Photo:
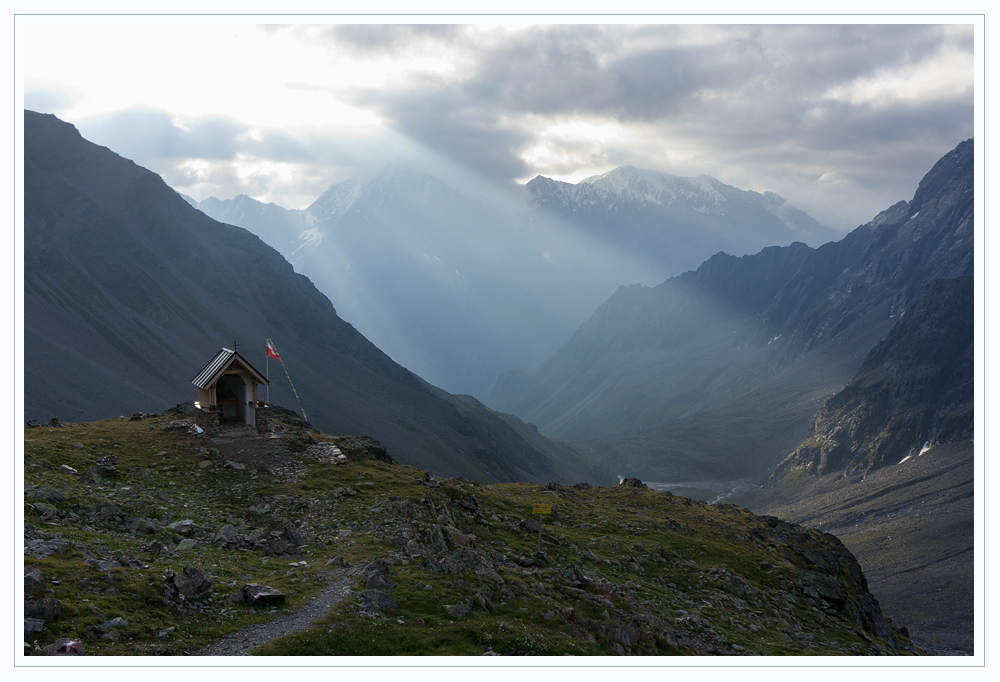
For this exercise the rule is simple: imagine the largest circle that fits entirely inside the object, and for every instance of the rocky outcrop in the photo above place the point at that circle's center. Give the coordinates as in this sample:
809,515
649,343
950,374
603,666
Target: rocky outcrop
914,391
188,585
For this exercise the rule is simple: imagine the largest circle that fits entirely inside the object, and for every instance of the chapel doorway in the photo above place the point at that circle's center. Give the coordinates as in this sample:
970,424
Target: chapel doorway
230,396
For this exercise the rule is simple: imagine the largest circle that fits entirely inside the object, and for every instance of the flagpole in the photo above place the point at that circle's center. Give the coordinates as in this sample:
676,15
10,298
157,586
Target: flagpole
267,368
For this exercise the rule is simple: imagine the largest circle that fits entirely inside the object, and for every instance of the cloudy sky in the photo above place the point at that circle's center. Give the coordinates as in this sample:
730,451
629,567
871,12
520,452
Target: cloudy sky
841,120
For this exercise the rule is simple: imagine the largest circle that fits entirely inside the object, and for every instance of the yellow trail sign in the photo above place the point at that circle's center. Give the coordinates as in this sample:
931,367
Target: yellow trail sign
541,509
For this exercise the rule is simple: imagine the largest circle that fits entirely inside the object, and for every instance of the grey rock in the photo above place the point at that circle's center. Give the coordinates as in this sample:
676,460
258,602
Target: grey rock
226,535
47,609
234,465
378,581
457,610
129,561
49,494
292,533
261,595
187,543
155,548
104,565
34,583
188,585
32,626
66,469
185,527
373,602
141,526
113,623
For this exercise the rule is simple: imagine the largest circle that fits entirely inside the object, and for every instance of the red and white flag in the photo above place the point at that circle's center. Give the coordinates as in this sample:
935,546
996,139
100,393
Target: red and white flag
271,352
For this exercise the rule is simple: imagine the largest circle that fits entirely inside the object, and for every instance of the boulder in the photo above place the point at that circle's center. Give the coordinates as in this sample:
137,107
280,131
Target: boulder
92,476
292,533
44,609
49,494
457,610
32,626
104,565
155,548
184,527
113,623
141,526
34,583
278,547
188,585
373,602
261,595
226,535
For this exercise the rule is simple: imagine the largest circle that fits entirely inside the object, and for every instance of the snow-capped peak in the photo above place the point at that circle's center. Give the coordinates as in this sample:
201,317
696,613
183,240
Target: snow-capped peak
335,201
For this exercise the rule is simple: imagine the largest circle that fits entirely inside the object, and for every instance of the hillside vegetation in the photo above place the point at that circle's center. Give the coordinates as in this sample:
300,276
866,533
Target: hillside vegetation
148,552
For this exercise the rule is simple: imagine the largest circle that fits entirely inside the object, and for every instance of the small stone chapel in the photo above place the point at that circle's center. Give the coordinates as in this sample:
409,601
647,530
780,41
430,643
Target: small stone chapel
227,386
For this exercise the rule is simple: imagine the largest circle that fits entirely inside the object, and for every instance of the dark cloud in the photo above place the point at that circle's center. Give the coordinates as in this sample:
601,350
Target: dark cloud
388,38
758,89
750,101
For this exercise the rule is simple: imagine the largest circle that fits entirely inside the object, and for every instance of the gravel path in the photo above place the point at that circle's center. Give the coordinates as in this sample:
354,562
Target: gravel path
240,643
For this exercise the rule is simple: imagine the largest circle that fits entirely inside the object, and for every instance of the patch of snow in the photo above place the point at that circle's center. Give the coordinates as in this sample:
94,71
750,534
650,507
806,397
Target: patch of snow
903,460
927,446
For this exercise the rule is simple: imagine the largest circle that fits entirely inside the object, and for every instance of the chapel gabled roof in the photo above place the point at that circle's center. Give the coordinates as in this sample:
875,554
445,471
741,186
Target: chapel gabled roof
222,360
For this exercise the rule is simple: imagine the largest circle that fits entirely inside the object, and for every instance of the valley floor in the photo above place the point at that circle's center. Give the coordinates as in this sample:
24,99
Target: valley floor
911,528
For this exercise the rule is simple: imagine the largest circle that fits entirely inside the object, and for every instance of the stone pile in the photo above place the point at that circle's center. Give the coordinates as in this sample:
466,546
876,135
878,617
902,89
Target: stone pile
327,453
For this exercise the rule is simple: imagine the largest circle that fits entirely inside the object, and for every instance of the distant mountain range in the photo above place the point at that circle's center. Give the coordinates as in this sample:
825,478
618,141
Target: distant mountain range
718,371
673,223
129,291
460,289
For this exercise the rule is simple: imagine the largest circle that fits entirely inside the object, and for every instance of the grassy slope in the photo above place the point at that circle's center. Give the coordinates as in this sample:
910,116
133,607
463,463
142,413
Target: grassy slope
626,570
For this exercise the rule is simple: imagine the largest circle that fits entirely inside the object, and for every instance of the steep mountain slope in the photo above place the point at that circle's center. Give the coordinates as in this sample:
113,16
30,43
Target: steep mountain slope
717,372
129,291
459,289
888,467
913,392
